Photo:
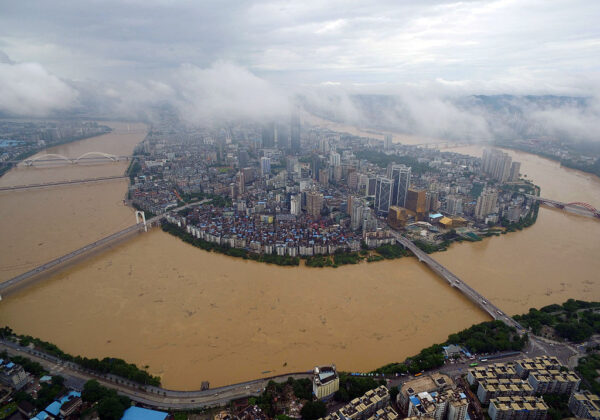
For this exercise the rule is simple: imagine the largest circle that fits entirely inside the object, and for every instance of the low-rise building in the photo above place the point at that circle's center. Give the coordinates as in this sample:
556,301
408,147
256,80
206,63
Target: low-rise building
517,408
386,413
585,405
13,375
372,404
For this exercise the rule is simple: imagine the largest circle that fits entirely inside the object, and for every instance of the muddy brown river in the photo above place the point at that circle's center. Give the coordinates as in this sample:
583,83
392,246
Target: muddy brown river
192,316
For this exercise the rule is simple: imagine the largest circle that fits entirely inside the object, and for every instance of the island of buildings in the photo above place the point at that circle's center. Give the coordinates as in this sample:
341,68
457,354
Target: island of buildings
282,190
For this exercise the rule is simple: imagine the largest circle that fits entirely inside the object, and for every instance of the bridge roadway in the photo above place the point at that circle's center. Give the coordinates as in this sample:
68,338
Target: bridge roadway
456,282
87,249
581,209
53,184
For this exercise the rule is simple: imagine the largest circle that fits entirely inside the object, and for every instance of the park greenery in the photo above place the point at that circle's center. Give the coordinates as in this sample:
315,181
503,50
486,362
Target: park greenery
487,337
106,402
108,365
589,368
574,320
133,169
527,221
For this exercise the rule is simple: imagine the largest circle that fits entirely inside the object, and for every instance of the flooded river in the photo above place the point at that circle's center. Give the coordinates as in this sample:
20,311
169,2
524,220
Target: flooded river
193,316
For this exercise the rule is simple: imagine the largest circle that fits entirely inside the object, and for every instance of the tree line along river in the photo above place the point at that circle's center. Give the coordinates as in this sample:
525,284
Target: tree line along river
191,315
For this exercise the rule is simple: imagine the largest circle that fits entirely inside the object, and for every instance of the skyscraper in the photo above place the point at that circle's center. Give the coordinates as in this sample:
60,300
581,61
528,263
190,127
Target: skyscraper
314,203
387,141
383,194
296,204
295,134
498,165
454,205
335,159
515,168
268,135
265,166
400,174
486,203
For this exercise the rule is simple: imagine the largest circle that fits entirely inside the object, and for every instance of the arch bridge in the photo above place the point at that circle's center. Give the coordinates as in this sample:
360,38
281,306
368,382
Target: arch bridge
88,156
578,207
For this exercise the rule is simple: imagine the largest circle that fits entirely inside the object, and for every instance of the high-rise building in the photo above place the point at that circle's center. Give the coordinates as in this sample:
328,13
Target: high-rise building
324,176
372,186
314,203
315,166
486,203
416,201
515,168
352,180
497,165
383,194
335,159
400,175
295,134
268,135
296,204
265,166
454,205
387,141
243,158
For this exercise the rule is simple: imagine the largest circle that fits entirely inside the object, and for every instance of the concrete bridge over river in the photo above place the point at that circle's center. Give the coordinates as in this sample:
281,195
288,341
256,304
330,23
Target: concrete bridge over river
87,250
454,281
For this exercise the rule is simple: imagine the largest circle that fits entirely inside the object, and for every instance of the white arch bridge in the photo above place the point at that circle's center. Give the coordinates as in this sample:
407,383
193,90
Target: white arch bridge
86,157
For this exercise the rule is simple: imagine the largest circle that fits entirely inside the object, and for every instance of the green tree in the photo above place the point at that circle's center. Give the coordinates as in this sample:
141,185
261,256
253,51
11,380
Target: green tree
313,410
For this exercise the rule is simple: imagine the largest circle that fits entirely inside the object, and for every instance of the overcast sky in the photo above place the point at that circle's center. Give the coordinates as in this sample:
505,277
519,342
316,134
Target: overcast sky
503,46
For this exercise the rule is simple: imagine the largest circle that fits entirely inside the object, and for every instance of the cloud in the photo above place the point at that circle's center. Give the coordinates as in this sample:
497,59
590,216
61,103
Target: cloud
28,89
215,94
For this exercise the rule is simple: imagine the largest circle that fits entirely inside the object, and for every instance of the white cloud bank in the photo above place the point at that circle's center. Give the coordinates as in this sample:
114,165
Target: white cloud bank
27,89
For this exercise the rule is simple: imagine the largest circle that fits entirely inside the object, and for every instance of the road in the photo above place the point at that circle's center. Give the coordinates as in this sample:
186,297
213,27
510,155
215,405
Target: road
76,377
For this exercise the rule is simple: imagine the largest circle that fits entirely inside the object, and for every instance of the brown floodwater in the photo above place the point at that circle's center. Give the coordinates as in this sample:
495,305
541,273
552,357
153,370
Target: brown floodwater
39,225
193,316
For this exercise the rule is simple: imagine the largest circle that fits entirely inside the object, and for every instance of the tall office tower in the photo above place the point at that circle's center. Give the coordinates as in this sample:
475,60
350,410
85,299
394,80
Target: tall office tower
383,194
314,203
486,203
454,205
515,169
295,134
337,173
357,214
387,141
363,184
243,158
400,174
352,180
372,186
324,146
324,176
268,135
296,204
416,201
265,166
290,164
335,159
315,166
239,179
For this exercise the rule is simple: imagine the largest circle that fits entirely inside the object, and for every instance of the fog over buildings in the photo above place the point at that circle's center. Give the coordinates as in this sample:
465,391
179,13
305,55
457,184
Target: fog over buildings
214,61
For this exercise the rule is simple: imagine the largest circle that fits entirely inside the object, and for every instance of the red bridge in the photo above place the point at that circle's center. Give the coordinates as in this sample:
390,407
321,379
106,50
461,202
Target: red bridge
577,207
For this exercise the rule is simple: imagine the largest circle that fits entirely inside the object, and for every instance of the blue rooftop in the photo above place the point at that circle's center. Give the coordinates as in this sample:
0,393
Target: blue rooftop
138,413
41,416
10,365
53,408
